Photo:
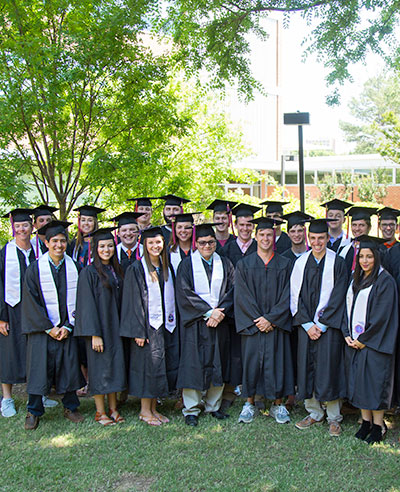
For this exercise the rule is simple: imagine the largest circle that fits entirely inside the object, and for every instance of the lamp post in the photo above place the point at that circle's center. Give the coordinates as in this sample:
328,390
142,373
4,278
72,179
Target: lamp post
299,119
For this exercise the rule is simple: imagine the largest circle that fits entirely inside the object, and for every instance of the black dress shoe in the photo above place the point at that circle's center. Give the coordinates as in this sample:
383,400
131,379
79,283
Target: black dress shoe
220,415
377,434
31,421
364,430
192,420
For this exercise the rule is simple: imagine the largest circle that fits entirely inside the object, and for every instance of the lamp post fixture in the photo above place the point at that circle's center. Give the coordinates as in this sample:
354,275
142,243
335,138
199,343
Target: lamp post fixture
299,119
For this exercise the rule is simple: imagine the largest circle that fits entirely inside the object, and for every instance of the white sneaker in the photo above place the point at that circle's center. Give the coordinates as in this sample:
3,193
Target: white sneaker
8,407
248,413
279,413
47,403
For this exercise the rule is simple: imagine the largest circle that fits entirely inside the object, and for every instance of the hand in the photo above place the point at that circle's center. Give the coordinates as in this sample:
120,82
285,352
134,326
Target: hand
54,332
217,315
349,341
62,334
140,341
263,324
358,345
4,328
314,332
97,344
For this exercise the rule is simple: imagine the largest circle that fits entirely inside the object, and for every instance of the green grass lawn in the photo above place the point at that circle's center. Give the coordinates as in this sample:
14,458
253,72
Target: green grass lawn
223,456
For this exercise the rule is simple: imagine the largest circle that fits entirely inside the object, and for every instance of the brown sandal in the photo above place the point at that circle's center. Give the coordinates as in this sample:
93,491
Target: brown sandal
116,416
150,420
103,419
161,418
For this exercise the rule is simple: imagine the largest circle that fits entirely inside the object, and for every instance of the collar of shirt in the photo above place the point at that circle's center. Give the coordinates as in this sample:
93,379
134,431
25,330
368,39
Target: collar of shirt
334,239
209,262
26,252
57,267
243,246
125,249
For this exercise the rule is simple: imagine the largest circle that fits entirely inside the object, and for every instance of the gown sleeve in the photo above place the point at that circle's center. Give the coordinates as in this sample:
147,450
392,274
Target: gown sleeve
134,316
87,322
226,301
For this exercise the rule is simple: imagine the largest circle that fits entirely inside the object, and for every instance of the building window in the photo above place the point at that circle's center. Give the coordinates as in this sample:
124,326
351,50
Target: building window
291,177
276,175
322,175
309,177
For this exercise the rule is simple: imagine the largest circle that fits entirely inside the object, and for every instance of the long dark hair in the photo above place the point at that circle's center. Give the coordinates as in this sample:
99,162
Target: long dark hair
101,269
164,262
360,280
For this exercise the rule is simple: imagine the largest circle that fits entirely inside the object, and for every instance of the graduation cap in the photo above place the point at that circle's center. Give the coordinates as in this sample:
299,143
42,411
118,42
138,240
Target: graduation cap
186,217
89,210
388,213
102,234
174,200
274,206
206,229
19,215
221,206
143,201
151,232
361,213
296,218
266,223
245,210
370,242
126,218
43,210
336,204
54,228
319,225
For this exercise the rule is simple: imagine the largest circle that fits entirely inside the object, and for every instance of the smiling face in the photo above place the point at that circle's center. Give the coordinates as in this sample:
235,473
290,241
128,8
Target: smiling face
87,224
265,240
360,228
206,246
388,228
170,210
128,233
223,219
105,250
183,231
154,245
367,260
56,246
318,242
296,234
23,230
337,223
244,228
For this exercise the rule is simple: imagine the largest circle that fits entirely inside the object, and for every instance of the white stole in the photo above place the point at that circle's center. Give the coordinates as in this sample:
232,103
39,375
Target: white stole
49,289
119,249
209,294
35,243
296,282
155,301
13,274
356,323
175,258
343,252
344,241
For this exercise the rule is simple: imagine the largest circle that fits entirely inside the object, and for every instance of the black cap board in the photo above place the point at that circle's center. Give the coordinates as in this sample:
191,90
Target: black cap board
102,234
126,218
388,213
266,223
245,210
370,242
174,200
151,232
361,213
273,206
19,215
143,201
54,228
319,226
206,229
89,210
187,217
296,218
43,210
221,205
336,204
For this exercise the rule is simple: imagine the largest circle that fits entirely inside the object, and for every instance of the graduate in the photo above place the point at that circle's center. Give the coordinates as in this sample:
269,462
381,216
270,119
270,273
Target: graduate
181,244
48,318
173,206
360,225
387,223
148,319
42,215
15,257
335,210
370,329
297,234
274,210
204,292
81,247
318,286
244,243
128,232
263,320
98,310
143,206
222,215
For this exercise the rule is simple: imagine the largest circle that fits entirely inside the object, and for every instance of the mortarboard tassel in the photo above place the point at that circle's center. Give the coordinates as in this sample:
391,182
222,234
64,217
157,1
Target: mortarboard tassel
136,206
12,225
115,235
173,233
138,248
348,227
353,265
228,208
274,238
37,245
194,238
306,239
89,252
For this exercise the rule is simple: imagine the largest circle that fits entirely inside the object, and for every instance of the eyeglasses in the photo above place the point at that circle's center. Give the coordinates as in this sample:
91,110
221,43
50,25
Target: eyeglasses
206,243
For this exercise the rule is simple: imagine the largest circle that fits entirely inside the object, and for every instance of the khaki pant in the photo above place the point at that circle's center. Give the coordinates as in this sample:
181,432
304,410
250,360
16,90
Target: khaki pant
314,408
192,398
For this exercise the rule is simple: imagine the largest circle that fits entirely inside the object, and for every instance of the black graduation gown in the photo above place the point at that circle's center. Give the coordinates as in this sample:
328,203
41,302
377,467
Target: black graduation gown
320,363
97,314
70,251
153,368
290,256
370,371
204,350
13,346
125,261
220,248
49,362
267,358
283,243
166,232
232,251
